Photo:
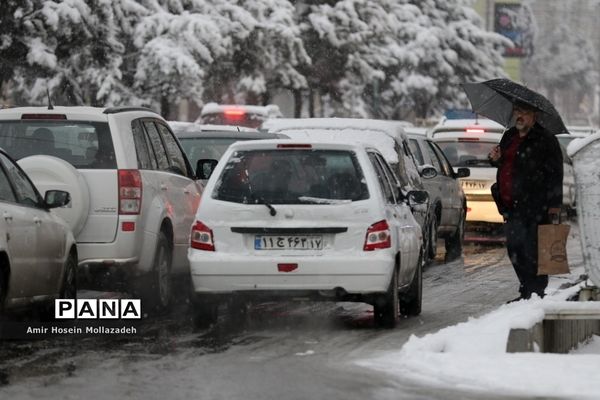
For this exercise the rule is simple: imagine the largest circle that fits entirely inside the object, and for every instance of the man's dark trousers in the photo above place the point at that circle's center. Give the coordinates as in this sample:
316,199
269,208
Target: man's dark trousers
521,243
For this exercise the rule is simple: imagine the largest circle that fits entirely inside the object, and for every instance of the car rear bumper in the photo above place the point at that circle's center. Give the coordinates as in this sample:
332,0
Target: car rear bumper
228,273
483,211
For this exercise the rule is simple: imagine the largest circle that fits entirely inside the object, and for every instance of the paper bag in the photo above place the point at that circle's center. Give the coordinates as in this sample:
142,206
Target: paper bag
552,249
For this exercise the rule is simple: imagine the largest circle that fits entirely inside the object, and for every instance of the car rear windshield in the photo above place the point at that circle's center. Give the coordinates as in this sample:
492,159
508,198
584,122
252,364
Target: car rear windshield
84,144
205,148
467,153
291,177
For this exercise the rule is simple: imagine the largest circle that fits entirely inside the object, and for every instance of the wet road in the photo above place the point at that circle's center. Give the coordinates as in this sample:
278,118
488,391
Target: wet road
278,351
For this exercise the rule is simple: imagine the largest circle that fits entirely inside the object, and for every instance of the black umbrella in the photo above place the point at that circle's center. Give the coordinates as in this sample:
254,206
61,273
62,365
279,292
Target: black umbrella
495,99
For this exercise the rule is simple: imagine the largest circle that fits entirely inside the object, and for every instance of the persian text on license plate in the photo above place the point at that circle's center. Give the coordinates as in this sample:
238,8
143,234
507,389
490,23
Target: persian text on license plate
288,242
473,184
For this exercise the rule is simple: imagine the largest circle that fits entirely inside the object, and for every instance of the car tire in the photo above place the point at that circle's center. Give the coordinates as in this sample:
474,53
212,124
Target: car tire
386,310
49,172
68,289
454,242
204,311
411,301
155,288
433,233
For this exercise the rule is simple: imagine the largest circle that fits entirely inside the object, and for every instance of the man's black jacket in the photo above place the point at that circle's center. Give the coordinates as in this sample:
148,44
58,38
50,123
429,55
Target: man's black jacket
537,175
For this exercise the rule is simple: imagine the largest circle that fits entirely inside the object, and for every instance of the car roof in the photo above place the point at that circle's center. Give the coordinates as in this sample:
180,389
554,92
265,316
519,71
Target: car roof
375,133
459,125
267,111
290,143
188,130
72,112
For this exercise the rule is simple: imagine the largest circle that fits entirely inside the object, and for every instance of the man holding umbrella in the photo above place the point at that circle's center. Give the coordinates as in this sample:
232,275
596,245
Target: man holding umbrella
528,188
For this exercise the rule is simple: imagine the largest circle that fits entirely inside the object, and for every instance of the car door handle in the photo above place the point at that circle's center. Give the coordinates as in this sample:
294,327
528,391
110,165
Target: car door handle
186,191
163,187
8,217
37,221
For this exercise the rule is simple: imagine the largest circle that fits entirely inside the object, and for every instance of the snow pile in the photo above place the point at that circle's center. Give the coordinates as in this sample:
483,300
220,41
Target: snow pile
472,356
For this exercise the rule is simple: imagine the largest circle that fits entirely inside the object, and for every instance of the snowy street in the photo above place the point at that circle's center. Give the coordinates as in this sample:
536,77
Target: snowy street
291,351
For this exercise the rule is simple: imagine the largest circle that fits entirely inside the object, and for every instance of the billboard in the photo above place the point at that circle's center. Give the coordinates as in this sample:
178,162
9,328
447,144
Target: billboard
511,21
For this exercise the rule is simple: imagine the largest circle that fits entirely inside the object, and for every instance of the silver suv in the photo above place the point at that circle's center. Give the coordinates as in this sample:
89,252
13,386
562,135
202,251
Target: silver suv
134,193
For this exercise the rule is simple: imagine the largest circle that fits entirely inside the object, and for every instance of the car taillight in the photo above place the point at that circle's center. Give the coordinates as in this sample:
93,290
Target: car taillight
202,237
294,146
43,116
475,130
130,191
378,236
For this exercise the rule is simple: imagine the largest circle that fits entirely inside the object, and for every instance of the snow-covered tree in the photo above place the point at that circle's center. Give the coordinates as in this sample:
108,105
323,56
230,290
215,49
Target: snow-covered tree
397,58
72,51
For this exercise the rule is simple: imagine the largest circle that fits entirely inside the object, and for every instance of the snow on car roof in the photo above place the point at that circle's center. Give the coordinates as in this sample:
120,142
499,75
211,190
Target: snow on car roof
374,133
450,125
340,130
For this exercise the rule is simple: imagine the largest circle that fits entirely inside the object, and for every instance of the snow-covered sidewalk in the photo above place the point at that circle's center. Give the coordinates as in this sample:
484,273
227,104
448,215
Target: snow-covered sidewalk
472,357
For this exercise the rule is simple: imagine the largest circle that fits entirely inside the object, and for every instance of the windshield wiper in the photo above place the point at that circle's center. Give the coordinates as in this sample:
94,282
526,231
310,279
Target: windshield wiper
261,200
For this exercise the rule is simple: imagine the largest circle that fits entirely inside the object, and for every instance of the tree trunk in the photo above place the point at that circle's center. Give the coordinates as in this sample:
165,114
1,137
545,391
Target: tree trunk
311,103
165,107
297,103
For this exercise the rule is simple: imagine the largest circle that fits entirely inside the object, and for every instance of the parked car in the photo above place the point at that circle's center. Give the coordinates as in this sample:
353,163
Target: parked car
210,141
133,190
323,220
445,192
388,137
38,254
238,114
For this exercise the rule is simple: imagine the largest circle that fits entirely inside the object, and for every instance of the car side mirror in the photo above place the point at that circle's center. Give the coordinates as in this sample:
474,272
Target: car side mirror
56,198
463,172
205,168
427,171
416,197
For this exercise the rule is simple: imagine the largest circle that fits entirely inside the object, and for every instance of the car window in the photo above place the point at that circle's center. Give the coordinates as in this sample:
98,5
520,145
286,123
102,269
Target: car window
446,168
434,158
157,145
26,194
145,161
198,148
391,177
176,157
472,153
416,150
383,180
84,144
291,177
6,190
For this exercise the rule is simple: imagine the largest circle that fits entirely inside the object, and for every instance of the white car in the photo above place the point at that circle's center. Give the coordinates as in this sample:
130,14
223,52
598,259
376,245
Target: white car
134,193
466,143
287,219
386,136
38,254
237,114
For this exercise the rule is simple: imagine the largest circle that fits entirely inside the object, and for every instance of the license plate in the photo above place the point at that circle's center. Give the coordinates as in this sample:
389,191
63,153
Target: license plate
473,184
288,242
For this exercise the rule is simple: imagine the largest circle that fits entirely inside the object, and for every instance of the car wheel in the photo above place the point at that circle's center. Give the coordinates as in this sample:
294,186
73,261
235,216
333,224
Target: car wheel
69,284
433,233
204,311
411,301
386,309
454,242
154,289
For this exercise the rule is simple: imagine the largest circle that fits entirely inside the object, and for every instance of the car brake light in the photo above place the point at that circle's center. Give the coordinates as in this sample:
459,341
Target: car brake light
294,146
378,236
130,191
202,237
43,116
475,130
234,112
